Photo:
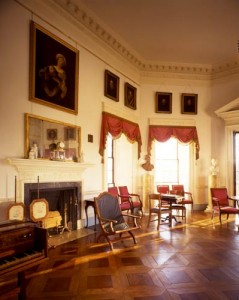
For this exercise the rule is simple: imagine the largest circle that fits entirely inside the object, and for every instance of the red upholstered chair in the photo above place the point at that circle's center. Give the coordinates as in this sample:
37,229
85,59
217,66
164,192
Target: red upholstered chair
178,189
220,203
163,189
125,204
135,200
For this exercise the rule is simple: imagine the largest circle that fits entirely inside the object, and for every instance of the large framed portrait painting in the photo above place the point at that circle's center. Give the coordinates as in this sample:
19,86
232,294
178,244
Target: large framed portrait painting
54,69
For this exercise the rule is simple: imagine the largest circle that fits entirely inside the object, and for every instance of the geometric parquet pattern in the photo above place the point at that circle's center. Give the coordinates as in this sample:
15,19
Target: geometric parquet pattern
198,260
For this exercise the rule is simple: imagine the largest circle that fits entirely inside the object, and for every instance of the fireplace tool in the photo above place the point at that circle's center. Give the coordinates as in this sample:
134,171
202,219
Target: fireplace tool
65,220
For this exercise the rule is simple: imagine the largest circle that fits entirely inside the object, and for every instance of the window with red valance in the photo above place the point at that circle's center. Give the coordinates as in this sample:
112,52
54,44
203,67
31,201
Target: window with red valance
164,133
116,126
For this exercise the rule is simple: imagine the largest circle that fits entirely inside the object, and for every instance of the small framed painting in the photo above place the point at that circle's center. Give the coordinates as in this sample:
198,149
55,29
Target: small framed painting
189,104
111,86
130,96
163,103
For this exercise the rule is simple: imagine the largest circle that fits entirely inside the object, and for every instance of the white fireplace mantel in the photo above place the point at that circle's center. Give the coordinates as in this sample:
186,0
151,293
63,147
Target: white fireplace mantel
32,170
29,170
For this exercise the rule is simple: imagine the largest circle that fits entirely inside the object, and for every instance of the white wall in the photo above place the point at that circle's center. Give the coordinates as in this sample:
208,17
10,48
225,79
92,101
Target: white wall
94,59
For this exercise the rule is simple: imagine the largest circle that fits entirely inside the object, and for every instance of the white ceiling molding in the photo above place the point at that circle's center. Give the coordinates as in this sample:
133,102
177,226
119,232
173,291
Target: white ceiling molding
83,17
229,112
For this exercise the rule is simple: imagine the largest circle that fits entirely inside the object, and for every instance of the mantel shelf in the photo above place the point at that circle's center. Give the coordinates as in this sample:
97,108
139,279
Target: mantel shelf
21,162
29,169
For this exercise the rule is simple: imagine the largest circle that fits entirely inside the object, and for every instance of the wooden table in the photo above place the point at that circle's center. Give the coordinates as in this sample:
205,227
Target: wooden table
89,203
171,199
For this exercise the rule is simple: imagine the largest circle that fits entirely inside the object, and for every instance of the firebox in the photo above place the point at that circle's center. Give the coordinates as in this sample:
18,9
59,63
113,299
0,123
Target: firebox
64,197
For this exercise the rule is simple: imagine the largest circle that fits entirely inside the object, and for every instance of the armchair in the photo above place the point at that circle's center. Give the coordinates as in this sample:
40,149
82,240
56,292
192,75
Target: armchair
124,203
163,189
220,203
112,221
187,196
137,204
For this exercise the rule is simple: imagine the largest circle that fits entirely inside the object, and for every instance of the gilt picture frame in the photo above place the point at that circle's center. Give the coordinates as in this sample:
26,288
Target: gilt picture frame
54,69
130,93
189,103
163,102
111,86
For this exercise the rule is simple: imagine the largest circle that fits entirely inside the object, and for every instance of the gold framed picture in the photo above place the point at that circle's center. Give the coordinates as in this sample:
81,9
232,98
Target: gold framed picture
54,69
163,102
111,86
130,96
189,104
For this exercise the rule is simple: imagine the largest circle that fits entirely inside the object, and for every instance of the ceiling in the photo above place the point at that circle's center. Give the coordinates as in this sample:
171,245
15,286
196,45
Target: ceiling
173,31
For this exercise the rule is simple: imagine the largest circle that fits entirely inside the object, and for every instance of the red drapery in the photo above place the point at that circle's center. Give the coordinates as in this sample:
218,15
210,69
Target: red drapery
164,133
116,126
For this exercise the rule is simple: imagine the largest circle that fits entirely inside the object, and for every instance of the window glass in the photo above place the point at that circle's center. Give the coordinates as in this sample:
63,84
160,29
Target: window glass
172,162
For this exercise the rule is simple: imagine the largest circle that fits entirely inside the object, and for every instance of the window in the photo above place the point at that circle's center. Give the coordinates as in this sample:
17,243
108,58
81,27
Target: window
120,162
172,163
110,161
236,163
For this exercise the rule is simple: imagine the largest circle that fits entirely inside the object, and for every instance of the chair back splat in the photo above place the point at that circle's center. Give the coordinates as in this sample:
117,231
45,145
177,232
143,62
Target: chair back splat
112,221
163,189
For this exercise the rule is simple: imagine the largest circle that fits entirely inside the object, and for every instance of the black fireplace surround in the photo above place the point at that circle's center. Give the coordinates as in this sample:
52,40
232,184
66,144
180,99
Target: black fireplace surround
64,197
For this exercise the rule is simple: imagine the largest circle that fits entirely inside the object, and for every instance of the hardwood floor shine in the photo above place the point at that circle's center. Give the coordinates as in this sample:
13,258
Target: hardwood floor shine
196,260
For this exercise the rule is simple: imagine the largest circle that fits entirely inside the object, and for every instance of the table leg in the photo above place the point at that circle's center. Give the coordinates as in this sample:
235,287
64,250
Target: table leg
86,213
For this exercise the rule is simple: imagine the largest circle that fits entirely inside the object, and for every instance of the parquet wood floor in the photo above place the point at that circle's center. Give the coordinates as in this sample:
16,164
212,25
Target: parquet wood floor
198,260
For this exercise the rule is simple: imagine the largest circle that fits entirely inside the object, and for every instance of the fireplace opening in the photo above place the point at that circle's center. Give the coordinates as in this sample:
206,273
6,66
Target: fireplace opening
64,197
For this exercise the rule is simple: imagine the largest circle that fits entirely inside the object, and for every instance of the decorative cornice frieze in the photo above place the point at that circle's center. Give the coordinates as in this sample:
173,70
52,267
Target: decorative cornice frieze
83,18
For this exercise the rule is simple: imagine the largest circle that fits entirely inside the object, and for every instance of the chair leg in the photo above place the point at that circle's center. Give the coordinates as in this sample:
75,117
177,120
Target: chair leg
149,219
133,237
212,216
159,220
220,218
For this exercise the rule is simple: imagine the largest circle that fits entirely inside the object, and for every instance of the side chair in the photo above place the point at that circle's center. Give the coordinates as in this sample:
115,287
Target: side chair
163,189
125,203
156,208
220,203
113,223
135,199
187,197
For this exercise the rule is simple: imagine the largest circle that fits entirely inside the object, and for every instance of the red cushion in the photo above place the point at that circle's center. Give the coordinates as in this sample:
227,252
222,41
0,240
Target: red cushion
125,206
136,204
230,210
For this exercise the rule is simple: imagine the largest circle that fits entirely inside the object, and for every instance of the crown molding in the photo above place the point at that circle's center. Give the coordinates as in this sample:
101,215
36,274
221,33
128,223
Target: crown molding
78,15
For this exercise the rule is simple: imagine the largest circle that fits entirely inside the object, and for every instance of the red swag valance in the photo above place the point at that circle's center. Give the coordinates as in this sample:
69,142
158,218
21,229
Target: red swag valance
164,133
116,126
